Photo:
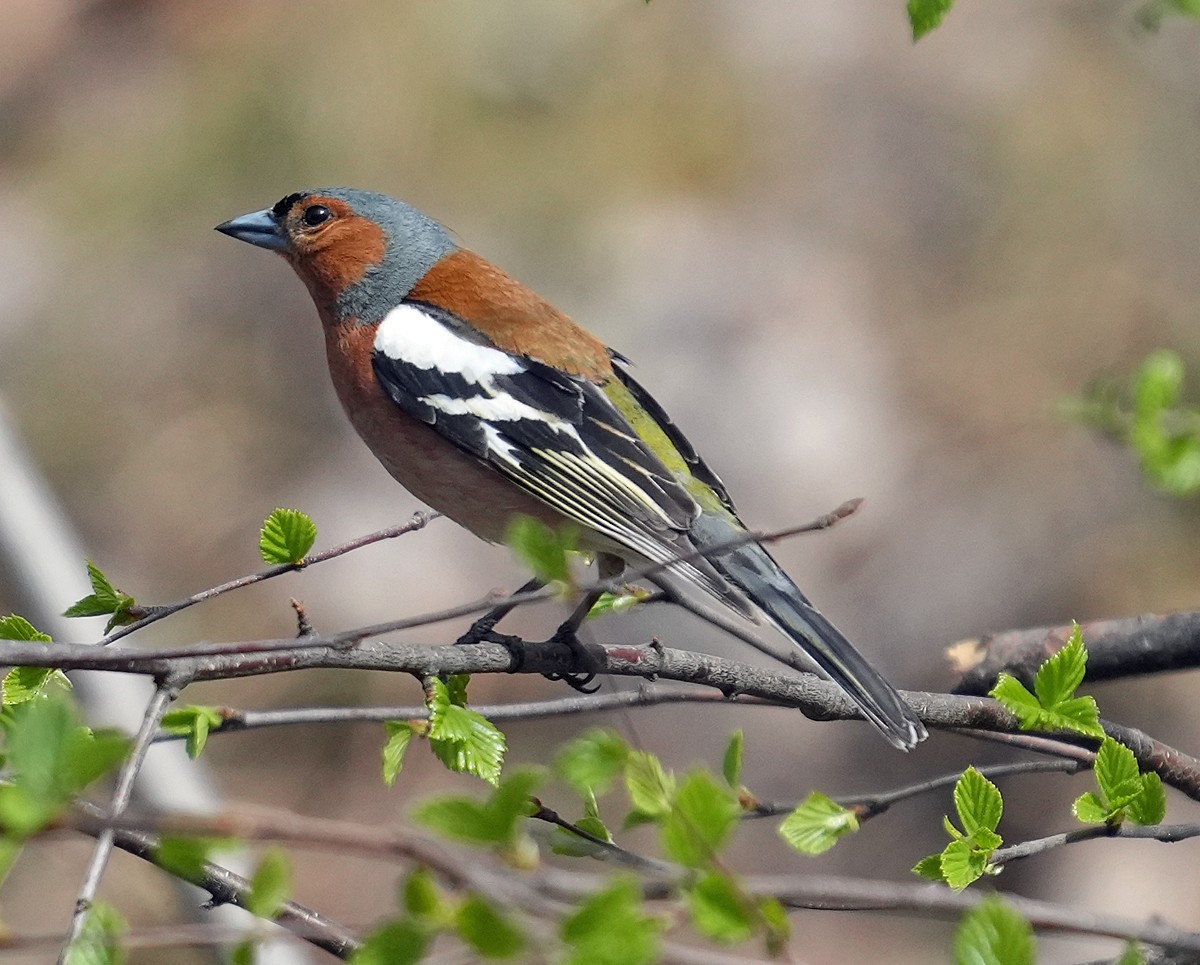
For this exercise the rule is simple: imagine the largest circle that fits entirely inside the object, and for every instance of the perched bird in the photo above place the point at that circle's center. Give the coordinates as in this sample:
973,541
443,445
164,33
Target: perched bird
485,402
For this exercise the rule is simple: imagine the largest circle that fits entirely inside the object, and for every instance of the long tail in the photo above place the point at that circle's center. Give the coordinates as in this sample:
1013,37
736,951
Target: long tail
751,568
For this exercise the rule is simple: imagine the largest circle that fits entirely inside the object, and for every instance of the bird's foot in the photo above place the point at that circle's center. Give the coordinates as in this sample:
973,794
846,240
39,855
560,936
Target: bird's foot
484,631
581,681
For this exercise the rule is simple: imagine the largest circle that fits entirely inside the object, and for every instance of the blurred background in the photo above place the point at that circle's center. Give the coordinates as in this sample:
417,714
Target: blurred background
846,264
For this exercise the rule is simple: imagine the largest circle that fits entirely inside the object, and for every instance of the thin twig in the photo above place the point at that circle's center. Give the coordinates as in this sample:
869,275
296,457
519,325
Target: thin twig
159,937
1166,833
461,870
645,695
224,886
873,804
419,520
153,614
166,690
605,849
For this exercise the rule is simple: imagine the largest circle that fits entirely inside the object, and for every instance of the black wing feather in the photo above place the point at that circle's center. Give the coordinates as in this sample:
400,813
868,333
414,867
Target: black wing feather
698,467
580,454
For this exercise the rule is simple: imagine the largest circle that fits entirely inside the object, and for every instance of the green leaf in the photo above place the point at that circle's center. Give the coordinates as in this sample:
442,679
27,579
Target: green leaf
396,943
1090,809
731,763
926,15
816,824
194,720
1150,15
978,802
1164,434
184,857
779,929
1016,698
719,910
495,821
489,933
22,684
1131,954
1150,806
993,934
1149,417
270,885
591,824
703,815
462,739
509,804
650,788
50,758
399,733
286,537
611,928
1124,792
930,867
1116,771
962,863
99,939
541,548
22,814
13,627
456,688
104,599
967,857
459,818
1062,672
591,762
1079,714
37,737
90,755
243,953
571,845
1157,384
419,895
614,603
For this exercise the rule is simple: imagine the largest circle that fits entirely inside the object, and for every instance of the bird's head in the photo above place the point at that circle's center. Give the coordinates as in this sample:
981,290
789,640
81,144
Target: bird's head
360,253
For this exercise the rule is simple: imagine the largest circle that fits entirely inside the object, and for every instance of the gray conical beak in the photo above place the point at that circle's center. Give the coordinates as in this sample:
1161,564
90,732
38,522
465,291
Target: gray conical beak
259,228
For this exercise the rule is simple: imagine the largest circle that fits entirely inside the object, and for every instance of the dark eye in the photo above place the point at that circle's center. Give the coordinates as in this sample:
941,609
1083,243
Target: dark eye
316,214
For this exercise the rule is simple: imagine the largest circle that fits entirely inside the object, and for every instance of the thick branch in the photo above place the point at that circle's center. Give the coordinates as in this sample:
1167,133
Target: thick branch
1150,643
815,698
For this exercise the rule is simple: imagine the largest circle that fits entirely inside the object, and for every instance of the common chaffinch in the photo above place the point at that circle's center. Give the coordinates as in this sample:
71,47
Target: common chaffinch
485,401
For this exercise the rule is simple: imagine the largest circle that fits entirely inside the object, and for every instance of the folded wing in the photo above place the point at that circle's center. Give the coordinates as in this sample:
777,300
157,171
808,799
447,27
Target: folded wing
557,436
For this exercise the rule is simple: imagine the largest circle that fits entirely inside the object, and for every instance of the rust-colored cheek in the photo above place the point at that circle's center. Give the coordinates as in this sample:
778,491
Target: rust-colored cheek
339,257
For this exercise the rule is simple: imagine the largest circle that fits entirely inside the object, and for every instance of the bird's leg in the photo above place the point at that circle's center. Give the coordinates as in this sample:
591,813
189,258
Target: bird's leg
610,567
568,633
483,630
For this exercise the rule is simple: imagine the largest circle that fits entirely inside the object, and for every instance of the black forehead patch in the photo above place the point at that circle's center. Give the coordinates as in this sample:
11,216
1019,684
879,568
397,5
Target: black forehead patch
284,205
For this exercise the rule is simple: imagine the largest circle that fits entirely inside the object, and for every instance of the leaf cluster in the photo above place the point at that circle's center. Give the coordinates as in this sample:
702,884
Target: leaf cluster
1053,705
49,757
462,739
1148,414
104,600
967,857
